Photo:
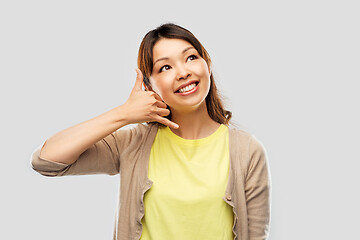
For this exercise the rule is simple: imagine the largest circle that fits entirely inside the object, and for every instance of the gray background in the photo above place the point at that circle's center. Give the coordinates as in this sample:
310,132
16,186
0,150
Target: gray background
289,71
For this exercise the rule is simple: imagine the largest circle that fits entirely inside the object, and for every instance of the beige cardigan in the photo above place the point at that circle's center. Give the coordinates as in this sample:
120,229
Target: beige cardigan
126,152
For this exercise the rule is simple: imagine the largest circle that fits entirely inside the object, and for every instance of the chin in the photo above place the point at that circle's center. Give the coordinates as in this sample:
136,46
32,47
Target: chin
190,105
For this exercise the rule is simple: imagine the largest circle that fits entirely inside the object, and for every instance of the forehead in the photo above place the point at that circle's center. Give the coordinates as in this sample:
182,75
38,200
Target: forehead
169,47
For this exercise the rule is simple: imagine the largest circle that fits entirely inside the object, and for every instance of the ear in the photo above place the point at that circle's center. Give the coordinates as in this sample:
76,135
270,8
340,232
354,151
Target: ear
146,83
147,88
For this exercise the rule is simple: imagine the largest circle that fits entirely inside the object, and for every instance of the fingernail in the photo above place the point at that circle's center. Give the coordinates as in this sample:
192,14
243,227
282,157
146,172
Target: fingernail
176,126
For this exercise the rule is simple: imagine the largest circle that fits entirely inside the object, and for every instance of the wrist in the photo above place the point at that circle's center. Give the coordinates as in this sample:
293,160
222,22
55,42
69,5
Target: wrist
122,115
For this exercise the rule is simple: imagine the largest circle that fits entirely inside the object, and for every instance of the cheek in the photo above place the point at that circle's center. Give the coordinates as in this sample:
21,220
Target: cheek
160,88
203,69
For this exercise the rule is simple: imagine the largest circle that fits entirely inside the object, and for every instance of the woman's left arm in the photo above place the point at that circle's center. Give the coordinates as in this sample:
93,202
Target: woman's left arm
258,191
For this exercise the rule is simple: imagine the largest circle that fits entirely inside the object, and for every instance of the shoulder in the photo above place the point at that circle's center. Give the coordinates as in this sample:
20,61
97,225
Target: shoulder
134,136
245,137
146,128
246,143
239,137
137,131
250,152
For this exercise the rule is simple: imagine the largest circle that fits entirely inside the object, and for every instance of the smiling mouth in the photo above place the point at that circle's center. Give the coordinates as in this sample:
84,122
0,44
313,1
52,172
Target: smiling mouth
185,89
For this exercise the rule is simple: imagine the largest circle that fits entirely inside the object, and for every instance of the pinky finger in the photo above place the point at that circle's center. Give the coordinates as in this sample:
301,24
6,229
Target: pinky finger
166,122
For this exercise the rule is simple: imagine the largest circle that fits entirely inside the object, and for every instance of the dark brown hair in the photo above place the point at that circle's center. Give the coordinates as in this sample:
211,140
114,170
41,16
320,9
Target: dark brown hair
172,31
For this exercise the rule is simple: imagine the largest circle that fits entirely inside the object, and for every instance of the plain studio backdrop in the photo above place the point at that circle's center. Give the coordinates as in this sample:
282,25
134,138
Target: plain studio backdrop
289,72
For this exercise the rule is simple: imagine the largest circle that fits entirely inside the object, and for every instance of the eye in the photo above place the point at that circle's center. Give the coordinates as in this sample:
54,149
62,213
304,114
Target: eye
195,57
160,70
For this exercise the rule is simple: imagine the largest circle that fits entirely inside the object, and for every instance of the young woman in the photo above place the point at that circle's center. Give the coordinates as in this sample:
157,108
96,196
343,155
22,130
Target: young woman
184,173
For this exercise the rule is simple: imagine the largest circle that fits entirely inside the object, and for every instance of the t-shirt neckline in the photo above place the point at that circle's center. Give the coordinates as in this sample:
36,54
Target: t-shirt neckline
198,141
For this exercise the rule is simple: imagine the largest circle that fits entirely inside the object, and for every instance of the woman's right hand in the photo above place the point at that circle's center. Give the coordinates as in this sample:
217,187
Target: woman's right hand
145,106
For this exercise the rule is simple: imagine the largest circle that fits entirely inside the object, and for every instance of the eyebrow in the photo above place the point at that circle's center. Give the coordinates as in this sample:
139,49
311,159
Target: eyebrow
164,58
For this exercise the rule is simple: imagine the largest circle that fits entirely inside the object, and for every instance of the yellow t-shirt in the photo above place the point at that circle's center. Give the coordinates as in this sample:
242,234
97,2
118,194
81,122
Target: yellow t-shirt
189,181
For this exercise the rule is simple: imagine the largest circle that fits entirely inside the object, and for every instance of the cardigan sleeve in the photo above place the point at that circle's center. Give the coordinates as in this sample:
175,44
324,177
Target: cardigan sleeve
258,191
102,157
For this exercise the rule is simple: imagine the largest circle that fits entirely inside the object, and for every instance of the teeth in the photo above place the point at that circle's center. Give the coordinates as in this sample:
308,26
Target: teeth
187,88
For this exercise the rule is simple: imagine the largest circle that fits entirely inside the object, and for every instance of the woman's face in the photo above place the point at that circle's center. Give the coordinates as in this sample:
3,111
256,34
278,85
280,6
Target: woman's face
177,64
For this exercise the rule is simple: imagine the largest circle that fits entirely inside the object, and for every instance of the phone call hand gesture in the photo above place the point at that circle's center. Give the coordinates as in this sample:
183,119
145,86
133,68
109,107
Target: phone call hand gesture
146,106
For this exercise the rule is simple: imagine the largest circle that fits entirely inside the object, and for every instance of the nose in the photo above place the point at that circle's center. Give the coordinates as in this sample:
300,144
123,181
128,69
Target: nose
182,73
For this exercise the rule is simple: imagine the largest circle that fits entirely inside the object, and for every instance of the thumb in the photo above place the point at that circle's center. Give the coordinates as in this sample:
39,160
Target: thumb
139,79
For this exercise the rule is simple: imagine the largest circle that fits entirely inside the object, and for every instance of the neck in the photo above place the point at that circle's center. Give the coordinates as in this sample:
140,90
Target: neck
193,124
